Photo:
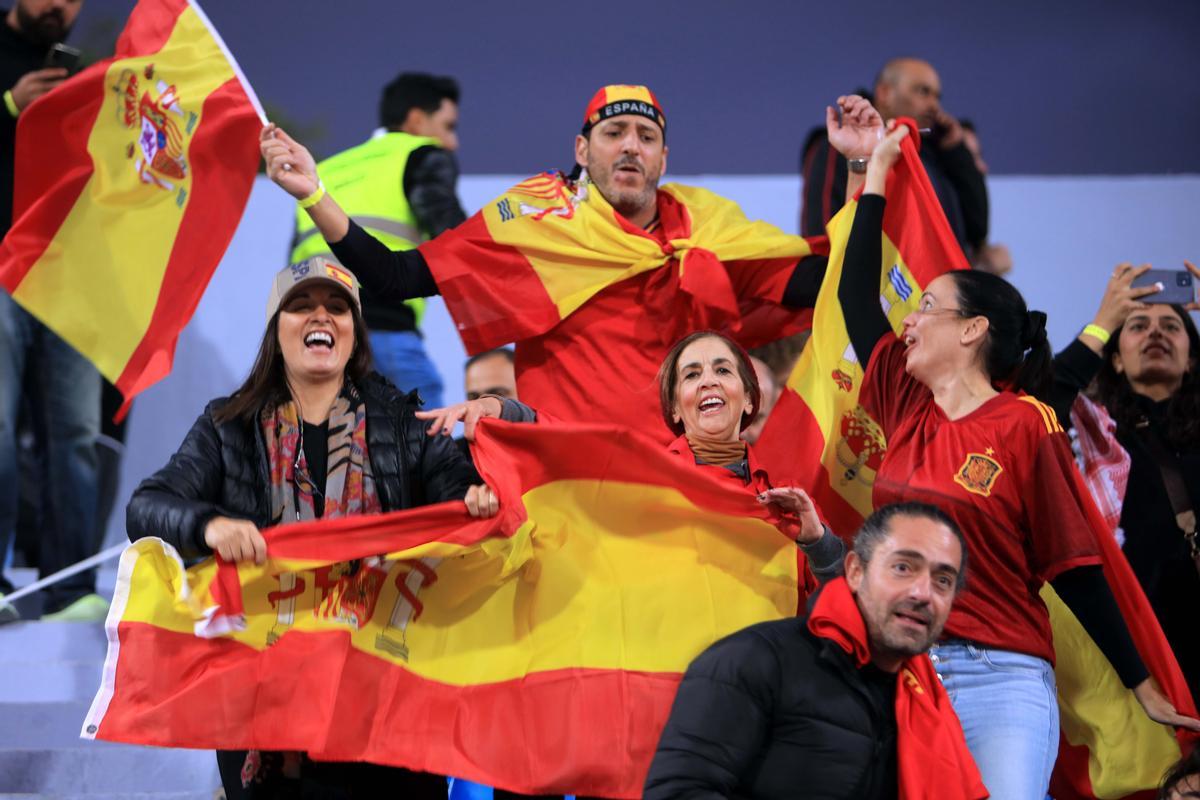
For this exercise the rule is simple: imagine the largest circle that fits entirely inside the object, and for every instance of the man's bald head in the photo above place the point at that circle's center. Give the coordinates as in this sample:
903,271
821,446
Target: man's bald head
909,87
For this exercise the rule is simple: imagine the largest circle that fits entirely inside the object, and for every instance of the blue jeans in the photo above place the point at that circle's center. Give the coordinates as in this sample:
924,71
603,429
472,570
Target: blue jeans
1008,705
400,357
64,393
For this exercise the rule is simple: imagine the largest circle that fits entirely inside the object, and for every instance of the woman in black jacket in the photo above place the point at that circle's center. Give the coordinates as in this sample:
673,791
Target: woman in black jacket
1142,363
312,433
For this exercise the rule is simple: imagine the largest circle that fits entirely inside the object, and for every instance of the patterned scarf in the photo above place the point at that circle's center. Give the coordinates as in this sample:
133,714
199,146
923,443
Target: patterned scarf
349,487
349,490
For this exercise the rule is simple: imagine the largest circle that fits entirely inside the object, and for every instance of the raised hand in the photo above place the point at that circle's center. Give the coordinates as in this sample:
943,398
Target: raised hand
288,163
469,413
1120,298
1192,306
859,129
799,512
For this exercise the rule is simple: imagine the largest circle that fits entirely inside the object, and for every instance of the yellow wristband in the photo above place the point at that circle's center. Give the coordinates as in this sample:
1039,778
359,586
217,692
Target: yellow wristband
11,104
1095,330
315,197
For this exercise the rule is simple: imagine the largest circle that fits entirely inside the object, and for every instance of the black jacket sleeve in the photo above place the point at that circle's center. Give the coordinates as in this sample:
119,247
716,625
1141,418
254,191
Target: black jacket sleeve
1087,593
719,722
971,188
445,472
858,289
390,277
1074,368
176,502
430,177
805,282
824,173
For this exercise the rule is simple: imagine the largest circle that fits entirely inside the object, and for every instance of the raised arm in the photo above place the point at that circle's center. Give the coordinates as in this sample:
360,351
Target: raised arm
858,289
390,277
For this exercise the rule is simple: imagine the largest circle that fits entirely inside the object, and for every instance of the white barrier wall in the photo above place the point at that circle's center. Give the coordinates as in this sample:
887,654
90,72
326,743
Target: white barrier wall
1065,234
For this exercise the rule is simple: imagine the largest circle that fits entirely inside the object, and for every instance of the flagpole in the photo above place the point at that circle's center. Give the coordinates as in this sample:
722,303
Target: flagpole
74,569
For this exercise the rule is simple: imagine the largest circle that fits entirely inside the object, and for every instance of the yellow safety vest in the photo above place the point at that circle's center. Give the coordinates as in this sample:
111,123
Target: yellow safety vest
368,183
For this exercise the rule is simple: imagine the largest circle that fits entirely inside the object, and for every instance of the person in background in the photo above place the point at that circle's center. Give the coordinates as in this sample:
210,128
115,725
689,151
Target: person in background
400,187
490,373
1182,782
313,433
770,393
63,388
1141,362
905,87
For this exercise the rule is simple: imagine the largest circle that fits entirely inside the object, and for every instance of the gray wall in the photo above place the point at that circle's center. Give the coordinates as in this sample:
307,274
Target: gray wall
1064,88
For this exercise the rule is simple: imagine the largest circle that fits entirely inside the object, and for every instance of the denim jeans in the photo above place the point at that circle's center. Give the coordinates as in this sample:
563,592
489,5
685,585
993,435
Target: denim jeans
64,392
400,357
1008,705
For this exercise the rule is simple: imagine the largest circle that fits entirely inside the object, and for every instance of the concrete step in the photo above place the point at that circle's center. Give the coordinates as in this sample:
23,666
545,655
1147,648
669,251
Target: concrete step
49,681
37,726
47,642
105,769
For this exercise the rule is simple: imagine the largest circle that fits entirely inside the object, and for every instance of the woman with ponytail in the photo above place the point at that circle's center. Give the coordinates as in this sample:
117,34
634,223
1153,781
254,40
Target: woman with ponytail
954,395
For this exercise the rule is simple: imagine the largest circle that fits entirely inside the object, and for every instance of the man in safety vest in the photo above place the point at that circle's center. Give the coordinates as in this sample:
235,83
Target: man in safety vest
400,186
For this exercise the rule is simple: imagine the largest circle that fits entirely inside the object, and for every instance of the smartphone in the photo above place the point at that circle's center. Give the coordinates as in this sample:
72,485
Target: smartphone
1178,286
64,57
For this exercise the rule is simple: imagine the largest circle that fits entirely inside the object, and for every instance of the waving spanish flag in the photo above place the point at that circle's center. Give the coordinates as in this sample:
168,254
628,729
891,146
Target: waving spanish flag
539,652
1109,748
541,250
130,181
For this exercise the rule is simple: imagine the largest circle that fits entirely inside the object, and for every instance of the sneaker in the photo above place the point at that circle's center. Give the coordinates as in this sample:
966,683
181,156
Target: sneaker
89,608
8,612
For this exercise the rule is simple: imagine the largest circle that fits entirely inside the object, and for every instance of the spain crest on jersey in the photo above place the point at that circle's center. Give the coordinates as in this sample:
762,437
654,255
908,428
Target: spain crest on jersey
979,472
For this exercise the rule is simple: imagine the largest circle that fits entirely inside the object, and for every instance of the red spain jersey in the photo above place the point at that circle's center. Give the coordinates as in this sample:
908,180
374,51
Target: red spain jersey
1005,474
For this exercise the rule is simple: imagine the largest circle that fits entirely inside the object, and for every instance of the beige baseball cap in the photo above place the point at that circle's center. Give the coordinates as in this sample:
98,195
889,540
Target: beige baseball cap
312,269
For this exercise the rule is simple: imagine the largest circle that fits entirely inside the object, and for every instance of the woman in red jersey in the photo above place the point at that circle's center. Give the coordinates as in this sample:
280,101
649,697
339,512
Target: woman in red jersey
950,395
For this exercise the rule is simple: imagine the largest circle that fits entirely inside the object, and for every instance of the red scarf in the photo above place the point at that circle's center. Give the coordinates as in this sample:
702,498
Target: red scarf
931,753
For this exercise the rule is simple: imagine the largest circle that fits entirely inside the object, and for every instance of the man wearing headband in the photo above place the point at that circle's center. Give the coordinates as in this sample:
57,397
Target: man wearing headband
599,267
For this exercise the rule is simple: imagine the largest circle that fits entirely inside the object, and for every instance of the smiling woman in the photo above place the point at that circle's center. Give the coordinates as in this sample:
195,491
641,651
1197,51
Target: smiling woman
313,433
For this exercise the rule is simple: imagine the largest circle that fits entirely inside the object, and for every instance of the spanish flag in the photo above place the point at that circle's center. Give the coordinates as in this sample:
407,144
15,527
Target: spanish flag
130,181
550,244
1109,748
539,651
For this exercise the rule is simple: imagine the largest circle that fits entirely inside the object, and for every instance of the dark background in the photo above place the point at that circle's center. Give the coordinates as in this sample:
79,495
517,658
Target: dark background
1074,88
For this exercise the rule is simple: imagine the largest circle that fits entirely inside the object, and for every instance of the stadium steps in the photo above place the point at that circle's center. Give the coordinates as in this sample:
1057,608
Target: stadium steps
49,672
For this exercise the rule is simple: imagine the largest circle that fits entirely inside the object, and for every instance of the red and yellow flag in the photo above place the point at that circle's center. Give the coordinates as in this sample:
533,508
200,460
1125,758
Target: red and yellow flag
130,181
533,256
1109,747
539,652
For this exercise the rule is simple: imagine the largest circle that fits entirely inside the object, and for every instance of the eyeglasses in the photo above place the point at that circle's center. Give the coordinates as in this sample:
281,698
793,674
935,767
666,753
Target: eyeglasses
933,312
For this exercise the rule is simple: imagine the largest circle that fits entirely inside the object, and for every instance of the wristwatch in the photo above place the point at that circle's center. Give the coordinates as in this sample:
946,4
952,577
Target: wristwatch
857,165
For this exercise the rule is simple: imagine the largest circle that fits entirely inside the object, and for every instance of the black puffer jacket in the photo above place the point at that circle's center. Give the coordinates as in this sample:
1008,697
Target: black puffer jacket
221,470
775,712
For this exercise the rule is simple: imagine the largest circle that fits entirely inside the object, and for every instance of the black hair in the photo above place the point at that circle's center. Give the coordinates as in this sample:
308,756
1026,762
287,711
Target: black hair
1181,769
877,527
1113,391
1016,353
266,385
506,352
414,90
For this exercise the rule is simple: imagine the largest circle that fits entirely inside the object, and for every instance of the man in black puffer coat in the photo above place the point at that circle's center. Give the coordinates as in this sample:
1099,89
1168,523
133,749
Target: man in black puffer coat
778,711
